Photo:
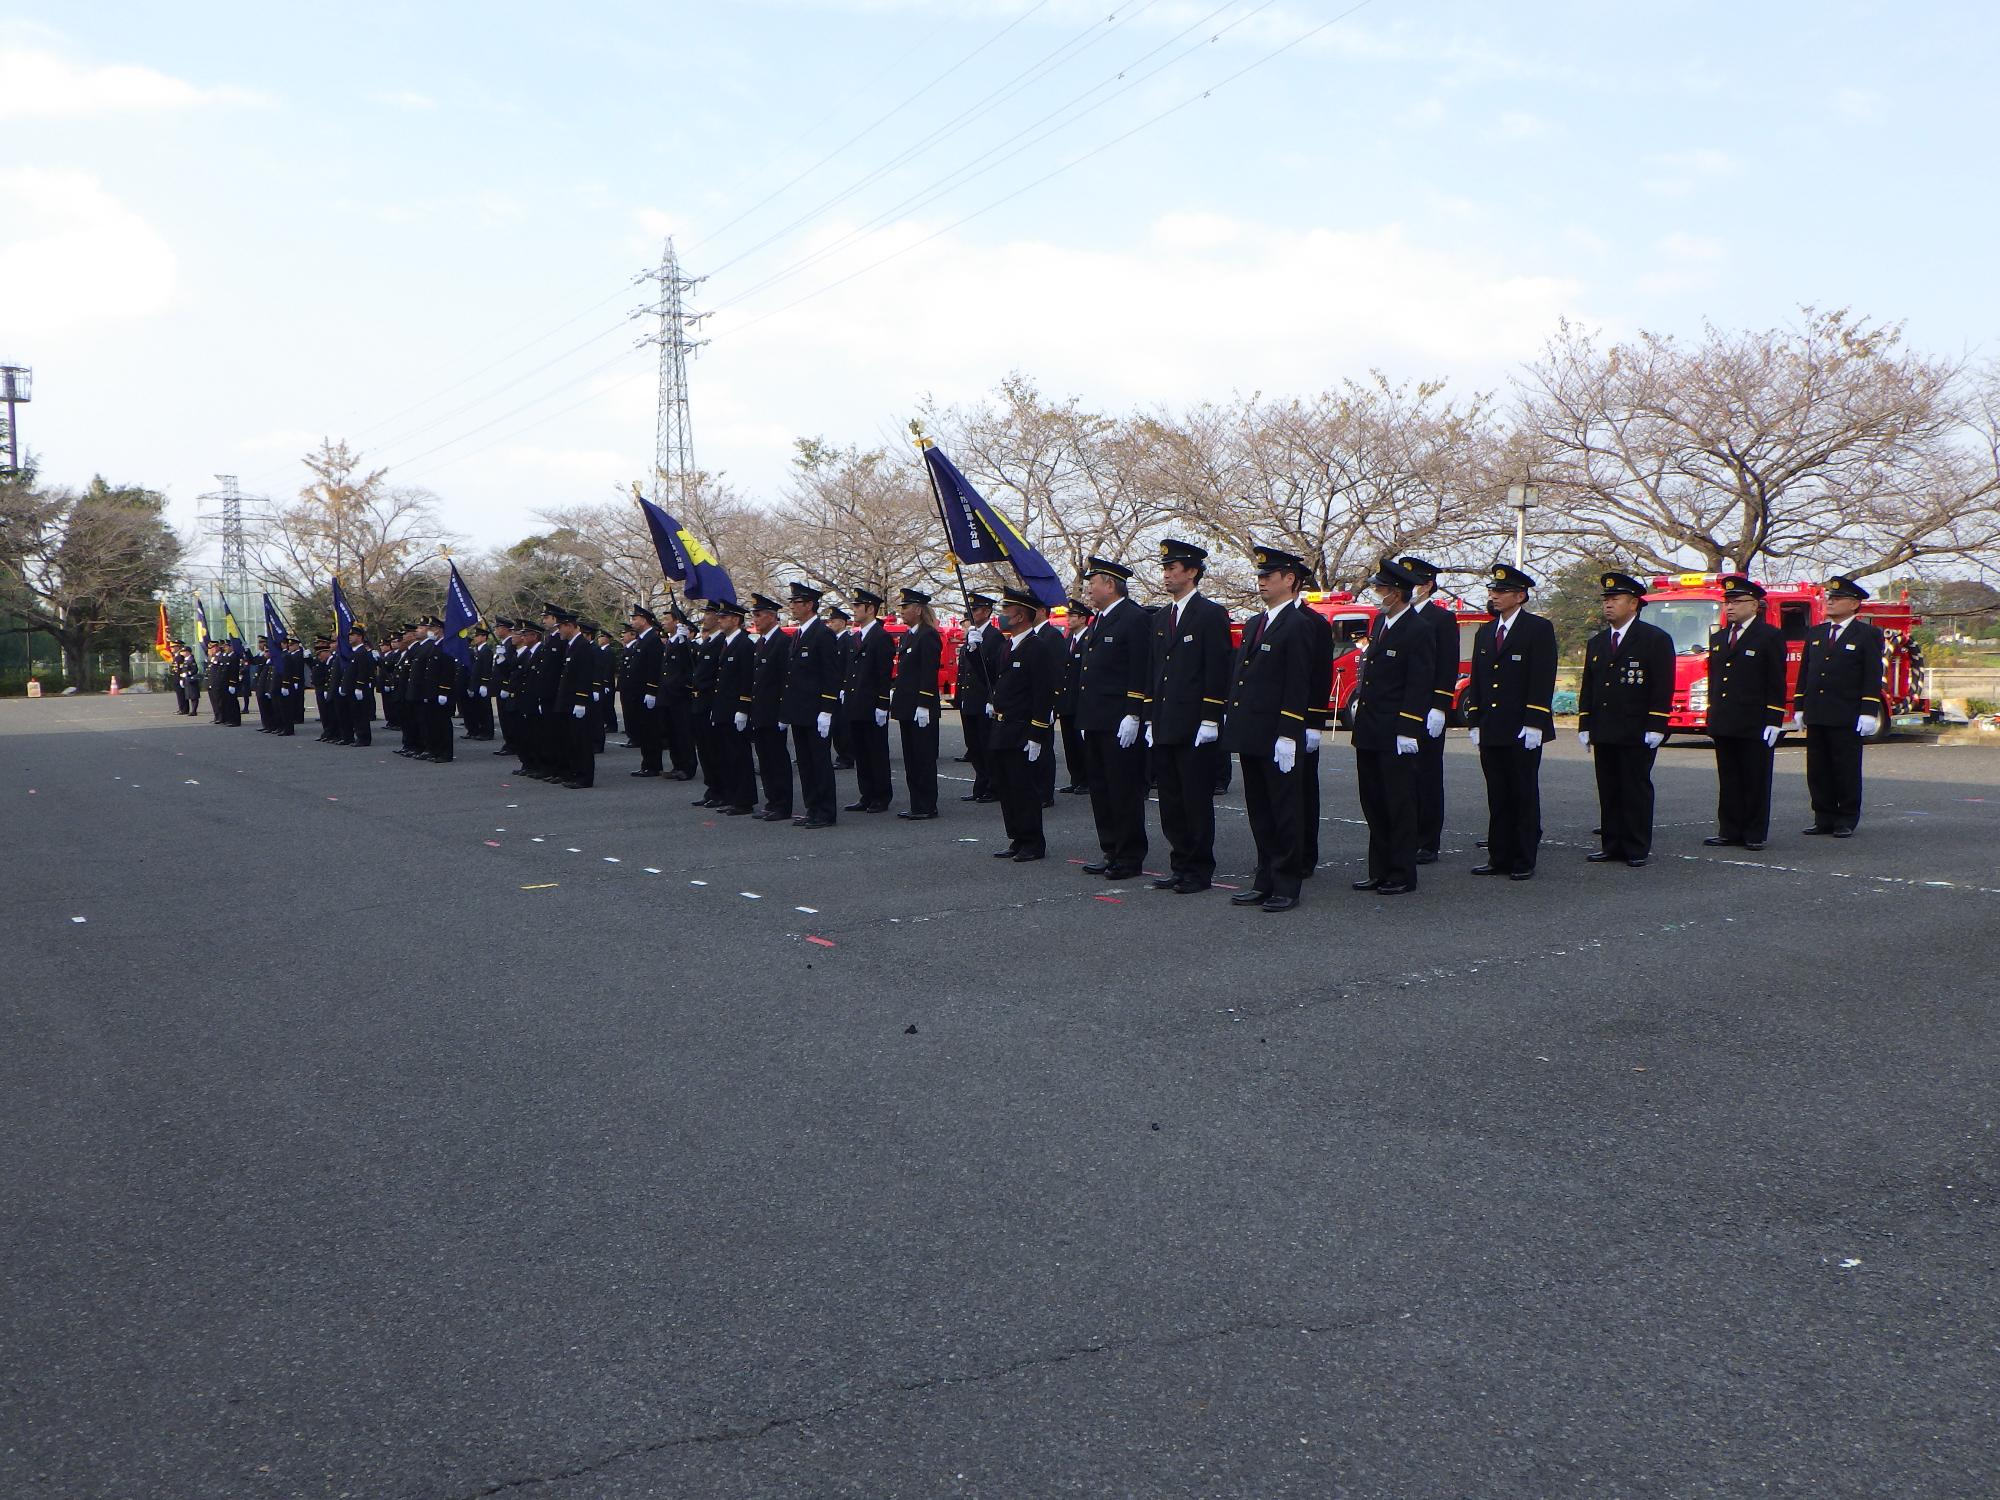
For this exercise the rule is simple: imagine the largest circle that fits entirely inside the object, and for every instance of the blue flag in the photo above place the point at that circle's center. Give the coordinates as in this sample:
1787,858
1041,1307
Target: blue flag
460,615
684,559
977,533
201,628
275,632
343,621
231,631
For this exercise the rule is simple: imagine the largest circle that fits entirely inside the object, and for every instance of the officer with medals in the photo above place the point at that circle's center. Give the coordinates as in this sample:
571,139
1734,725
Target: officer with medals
1394,692
871,659
1625,697
1443,626
1189,687
1508,714
1837,702
1020,725
913,701
770,737
1746,712
811,704
1113,685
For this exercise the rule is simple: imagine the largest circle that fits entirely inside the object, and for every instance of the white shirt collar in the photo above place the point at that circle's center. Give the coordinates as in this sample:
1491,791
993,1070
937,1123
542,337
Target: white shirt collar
1388,620
1507,620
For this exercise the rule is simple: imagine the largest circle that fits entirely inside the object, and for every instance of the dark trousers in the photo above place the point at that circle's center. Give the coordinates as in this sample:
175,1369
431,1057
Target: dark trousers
1117,796
1273,801
1045,775
355,723
736,783
1513,805
479,716
1309,811
1833,774
774,767
1743,788
920,757
976,727
1073,756
265,719
677,726
843,737
1387,784
1625,799
321,712
581,738
437,729
1016,785
1187,807
646,728
704,749
410,722
1430,791
610,707
868,743
228,709
814,755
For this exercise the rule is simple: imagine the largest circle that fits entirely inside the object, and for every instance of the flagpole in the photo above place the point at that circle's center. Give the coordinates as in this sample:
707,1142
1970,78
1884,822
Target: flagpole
937,495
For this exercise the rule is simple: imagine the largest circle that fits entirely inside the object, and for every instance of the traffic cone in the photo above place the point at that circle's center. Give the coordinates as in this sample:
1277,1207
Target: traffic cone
114,687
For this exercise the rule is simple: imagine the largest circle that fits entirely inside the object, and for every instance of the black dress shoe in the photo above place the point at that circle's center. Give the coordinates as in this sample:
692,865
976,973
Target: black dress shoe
682,775
1487,870
989,797
642,773
1122,872
1249,898
1479,844
855,807
916,817
1366,885
1280,903
876,807
1028,856
1600,856
1749,844
1185,887
1008,853
1843,833
1717,841
1639,863
1393,888
1167,883
574,786
817,823
843,765
704,802
1816,829
1427,856
506,752
1048,804
738,812
971,797
1097,867
1075,791
1522,875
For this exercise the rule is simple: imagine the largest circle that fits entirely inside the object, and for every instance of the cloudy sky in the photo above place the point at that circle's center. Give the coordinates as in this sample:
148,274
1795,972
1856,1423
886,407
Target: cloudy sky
227,229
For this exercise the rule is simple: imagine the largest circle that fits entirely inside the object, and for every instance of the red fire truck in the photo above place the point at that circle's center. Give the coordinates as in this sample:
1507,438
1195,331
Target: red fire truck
1689,605
1352,617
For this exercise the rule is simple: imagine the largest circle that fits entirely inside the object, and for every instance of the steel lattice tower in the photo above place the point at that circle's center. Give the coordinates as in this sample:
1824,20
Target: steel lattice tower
673,433
235,540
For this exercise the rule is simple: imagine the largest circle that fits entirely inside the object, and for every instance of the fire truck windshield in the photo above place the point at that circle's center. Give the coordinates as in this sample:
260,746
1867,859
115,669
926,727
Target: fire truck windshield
1688,621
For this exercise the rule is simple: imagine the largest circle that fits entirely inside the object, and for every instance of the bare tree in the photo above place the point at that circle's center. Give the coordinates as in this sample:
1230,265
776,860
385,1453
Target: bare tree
1826,443
858,517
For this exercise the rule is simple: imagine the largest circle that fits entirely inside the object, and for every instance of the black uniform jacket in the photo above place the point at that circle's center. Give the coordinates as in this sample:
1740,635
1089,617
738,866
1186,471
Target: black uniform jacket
919,653
1512,686
1024,695
1397,684
1269,687
1115,672
812,674
1623,698
1189,680
1746,682
1841,680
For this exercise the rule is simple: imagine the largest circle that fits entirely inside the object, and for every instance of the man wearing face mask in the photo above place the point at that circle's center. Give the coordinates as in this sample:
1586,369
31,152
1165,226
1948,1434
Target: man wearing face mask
1746,709
1264,725
1507,714
1392,695
1443,626
1837,702
1623,701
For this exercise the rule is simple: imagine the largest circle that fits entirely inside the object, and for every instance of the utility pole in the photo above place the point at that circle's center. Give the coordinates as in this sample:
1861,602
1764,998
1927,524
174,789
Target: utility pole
17,387
673,433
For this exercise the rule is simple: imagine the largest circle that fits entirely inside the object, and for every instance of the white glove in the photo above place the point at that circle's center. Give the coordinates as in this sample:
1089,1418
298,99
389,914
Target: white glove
1654,739
1034,751
1530,738
1867,724
881,717
1286,753
484,693
784,728
1797,724
1149,736
1583,738
742,722
578,712
1312,742
358,692
1207,734
1434,723
1472,738
1771,735
923,718
824,724
593,695
650,701
989,712
443,699
1405,745
1128,731
505,695
287,692
843,695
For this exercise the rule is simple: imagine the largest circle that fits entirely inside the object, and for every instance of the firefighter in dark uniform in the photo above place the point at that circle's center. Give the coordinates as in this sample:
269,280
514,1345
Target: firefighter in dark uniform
1746,713
409,708
224,670
811,704
841,623
529,691
871,661
506,661
1058,646
735,694
628,637
477,713
577,688
1443,626
187,680
1320,718
1113,689
1189,687
326,706
1074,768
676,699
1393,693
1622,706
645,723
769,737
606,718
1838,703
554,721
388,674
980,653
1020,725
293,665
264,683
437,693
357,687
701,693
1508,715
1264,726
913,701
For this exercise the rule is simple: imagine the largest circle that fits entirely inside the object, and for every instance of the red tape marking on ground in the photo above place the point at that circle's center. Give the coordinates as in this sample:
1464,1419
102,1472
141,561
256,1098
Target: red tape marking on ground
1114,900
822,942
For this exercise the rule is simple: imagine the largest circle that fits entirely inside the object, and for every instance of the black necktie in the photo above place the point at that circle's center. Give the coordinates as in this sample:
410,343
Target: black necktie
1499,635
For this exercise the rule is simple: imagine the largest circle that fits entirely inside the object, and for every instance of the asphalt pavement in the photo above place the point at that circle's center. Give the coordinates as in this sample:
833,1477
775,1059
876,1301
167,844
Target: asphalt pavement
381,1129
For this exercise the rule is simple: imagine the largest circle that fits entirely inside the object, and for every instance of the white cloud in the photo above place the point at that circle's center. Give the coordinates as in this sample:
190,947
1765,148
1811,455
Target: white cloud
405,99
88,258
39,84
1693,262
1520,125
